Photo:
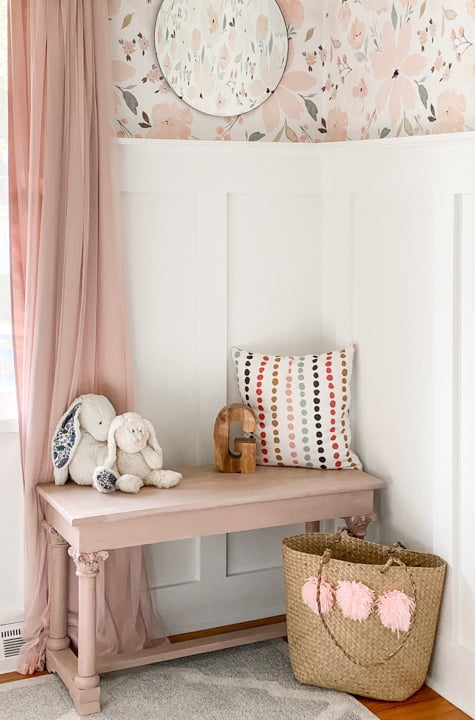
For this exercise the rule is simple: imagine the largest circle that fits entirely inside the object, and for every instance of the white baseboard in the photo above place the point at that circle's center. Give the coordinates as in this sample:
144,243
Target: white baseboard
12,616
8,666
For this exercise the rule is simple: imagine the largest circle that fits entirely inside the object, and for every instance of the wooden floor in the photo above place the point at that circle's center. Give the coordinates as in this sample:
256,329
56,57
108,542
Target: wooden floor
11,676
424,705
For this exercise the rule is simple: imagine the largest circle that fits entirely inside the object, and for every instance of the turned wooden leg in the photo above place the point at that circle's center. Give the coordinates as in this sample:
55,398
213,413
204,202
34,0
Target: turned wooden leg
358,524
87,569
58,589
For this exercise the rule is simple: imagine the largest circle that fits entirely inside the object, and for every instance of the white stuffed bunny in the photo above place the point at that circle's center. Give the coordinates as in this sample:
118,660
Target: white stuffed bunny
79,442
135,455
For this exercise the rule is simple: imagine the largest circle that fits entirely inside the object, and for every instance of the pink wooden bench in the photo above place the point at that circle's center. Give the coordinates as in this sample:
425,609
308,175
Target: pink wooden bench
85,524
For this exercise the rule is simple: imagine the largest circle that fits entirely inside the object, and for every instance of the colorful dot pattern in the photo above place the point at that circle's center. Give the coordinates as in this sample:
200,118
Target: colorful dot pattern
301,403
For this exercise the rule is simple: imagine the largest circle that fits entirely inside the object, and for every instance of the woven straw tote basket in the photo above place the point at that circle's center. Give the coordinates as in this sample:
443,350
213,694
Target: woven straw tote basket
362,655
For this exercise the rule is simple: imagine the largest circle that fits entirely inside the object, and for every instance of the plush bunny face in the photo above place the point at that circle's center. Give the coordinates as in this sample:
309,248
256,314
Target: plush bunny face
135,455
96,415
132,435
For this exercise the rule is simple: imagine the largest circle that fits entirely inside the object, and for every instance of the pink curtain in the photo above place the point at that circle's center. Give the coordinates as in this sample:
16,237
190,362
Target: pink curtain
68,298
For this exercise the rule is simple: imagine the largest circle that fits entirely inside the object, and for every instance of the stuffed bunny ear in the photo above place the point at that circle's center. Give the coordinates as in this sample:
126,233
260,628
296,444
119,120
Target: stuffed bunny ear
65,441
152,438
111,446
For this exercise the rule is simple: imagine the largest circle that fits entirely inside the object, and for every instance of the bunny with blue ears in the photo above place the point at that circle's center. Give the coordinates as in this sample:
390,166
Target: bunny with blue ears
79,442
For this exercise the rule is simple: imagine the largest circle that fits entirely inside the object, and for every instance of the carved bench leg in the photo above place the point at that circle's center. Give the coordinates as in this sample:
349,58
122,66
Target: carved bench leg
58,589
358,524
87,680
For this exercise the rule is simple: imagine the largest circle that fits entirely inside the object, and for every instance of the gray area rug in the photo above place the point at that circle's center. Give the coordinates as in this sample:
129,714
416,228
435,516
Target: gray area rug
252,682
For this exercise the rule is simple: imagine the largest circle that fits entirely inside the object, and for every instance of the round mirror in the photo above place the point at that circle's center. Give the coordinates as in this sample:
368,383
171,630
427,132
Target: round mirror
223,57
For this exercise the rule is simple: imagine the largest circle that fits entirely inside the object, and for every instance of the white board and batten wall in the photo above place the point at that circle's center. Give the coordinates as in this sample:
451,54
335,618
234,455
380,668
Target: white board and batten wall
399,224
219,253
296,249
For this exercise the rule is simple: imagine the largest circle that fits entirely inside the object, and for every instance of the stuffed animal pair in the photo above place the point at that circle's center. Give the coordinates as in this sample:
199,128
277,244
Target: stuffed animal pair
94,446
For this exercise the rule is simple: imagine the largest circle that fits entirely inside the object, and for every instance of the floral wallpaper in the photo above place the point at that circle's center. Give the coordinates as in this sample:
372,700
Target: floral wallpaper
356,69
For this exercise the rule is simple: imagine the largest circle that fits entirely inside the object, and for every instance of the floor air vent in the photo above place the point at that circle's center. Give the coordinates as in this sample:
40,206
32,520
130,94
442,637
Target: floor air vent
11,640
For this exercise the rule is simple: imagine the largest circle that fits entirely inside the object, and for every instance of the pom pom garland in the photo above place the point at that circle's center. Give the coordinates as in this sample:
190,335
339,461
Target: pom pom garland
395,610
354,599
309,595
356,602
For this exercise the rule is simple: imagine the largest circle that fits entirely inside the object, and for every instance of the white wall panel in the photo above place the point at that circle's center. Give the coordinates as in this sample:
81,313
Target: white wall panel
399,224
160,229
211,283
465,492
337,272
275,256
393,329
217,598
316,247
254,550
453,664
173,563
221,248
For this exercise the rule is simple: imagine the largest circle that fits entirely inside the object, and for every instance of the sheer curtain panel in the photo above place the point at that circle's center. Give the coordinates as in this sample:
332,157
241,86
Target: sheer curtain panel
68,295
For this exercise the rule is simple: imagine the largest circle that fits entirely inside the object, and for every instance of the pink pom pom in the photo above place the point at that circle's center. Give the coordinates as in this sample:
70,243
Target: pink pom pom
309,595
395,610
354,599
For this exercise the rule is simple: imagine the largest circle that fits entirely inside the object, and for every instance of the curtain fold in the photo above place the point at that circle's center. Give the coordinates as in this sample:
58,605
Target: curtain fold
68,294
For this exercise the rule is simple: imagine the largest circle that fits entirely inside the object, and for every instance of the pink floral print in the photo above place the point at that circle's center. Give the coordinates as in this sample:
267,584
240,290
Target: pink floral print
142,42
212,19
153,75
357,69
113,6
122,71
360,90
170,121
128,48
344,15
285,100
357,35
262,27
451,108
395,67
337,125
293,12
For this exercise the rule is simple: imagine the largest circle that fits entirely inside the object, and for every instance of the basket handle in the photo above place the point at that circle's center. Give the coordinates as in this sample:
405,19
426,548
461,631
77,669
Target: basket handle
395,547
392,560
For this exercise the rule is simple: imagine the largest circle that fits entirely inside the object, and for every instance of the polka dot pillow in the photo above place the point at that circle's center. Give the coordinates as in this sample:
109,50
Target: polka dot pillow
301,403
